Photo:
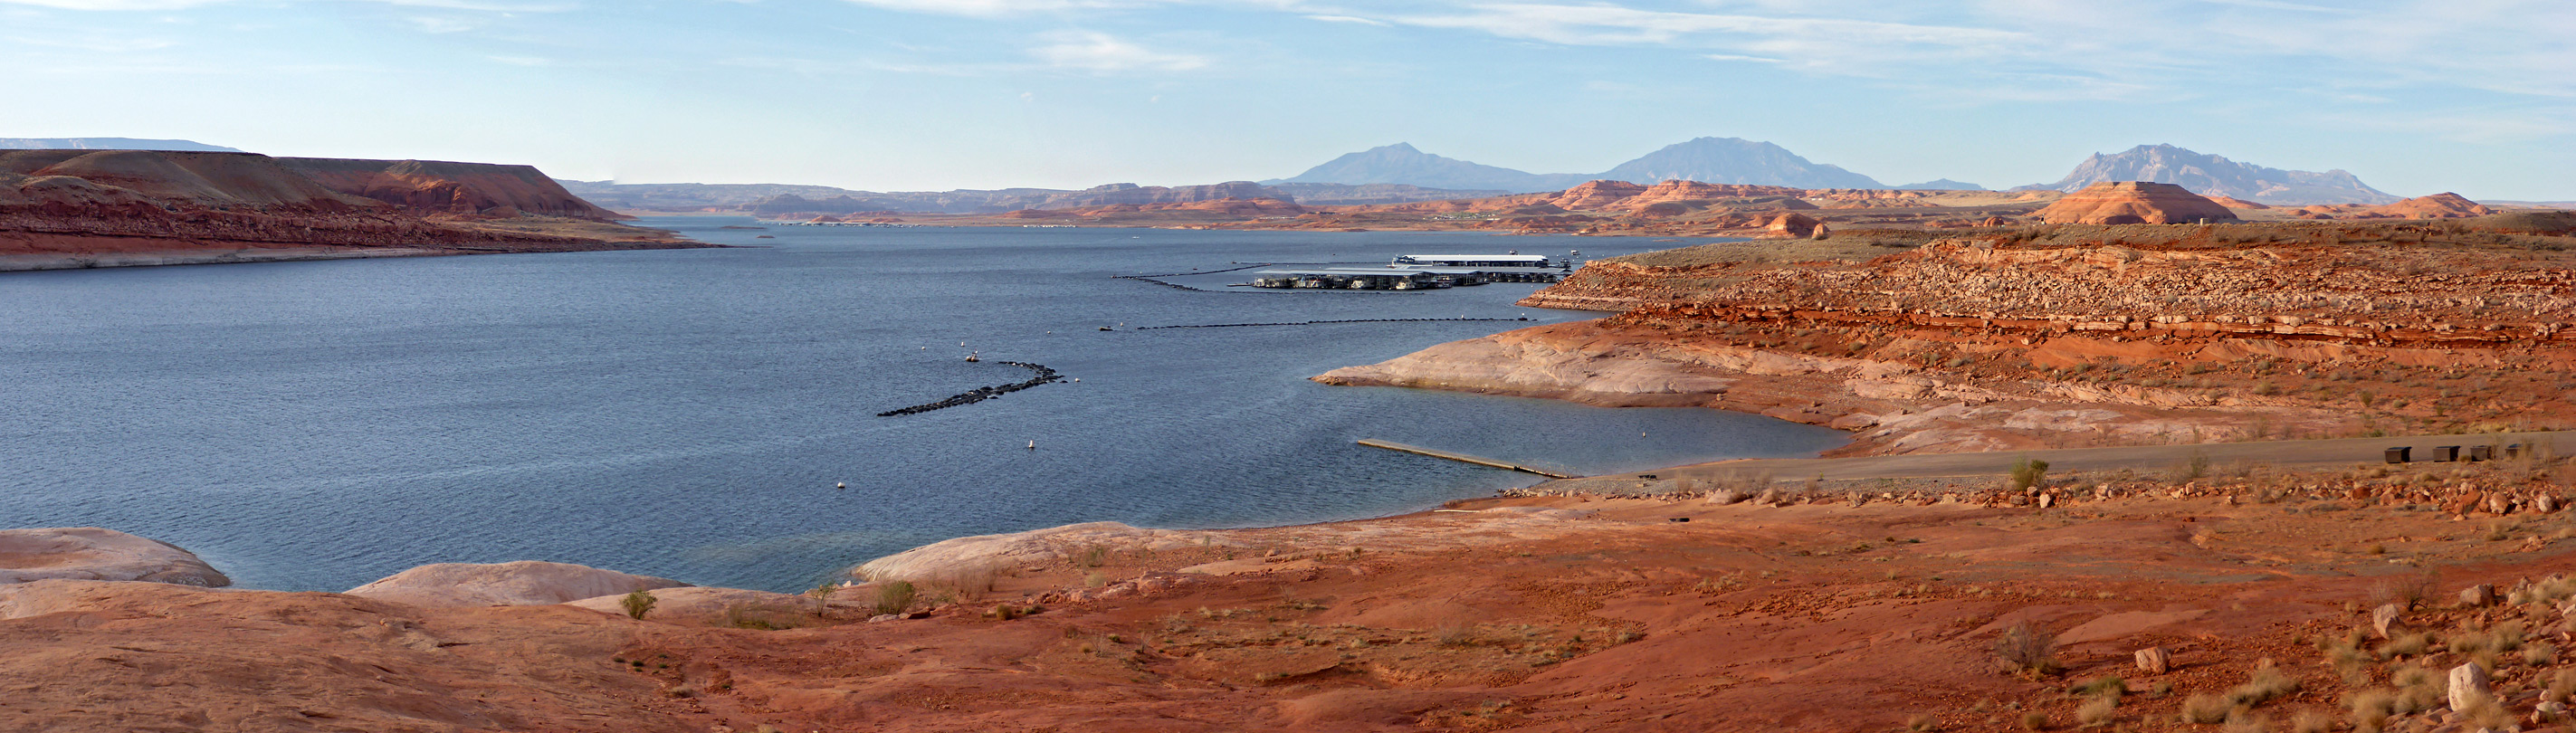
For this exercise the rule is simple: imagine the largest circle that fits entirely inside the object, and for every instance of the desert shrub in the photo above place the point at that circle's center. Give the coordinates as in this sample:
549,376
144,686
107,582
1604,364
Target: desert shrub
2192,468
2206,708
637,604
2405,591
1092,557
2034,721
2311,721
2028,473
2247,723
894,596
1922,723
2027,649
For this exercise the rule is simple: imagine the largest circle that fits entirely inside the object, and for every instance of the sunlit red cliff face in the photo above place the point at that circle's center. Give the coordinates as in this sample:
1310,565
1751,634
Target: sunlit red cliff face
2067,336
81,208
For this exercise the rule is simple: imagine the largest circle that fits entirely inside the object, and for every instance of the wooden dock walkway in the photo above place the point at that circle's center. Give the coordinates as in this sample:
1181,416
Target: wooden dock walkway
1460,457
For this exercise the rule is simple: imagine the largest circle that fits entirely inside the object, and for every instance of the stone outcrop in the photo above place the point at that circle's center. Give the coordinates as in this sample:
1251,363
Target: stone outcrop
1597,195
1792,226
92,553
522,583
2133,202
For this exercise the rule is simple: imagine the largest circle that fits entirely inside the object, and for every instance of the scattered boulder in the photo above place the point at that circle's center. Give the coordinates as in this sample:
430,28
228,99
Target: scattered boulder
2468,685
2154,660
1724,497
2478,596
2384,617
93,553
522,583
2133,202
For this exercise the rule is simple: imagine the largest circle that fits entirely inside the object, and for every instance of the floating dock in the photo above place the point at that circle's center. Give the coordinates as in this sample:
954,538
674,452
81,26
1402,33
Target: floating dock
1460,457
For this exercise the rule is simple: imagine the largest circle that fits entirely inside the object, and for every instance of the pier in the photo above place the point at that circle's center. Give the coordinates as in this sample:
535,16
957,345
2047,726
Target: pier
1460,457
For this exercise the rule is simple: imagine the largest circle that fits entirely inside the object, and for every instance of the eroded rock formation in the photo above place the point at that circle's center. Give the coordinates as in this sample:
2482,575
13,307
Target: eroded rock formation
2133,202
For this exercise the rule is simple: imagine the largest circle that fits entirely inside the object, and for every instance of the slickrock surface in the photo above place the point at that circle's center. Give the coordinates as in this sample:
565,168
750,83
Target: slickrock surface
1541,613
521,583
92,553
2133,202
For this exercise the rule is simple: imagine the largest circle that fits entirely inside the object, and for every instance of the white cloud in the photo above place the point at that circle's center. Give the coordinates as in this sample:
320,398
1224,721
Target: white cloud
1100,52
1349,19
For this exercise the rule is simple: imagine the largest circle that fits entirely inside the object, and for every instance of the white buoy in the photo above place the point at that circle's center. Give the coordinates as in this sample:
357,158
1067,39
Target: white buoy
1077,379
1033,445
840,486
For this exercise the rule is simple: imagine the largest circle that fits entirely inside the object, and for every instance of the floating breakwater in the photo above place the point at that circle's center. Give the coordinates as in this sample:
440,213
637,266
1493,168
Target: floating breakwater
1318,323
979,394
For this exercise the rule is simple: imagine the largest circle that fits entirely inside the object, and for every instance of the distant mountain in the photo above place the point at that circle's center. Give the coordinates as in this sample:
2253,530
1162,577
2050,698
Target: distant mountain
1401,163
109,143
1738,161
772,198
1941,184
2212,175
1707,160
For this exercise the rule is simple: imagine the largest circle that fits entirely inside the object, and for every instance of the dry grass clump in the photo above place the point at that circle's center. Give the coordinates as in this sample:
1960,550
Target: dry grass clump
2370,709
2418,688
2486,712
2034,721
1922,723
2206,708
2098,712
2311,721
2406,645
2562,686
2264,685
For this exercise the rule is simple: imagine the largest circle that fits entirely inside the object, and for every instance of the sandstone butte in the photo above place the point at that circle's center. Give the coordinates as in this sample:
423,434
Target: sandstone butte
85,208
2133,202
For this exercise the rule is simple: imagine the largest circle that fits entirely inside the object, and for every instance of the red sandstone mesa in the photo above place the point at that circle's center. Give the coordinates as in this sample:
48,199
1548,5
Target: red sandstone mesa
2133,202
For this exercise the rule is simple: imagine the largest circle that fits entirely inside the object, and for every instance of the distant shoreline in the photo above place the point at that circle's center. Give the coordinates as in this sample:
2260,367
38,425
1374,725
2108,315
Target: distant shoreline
249,255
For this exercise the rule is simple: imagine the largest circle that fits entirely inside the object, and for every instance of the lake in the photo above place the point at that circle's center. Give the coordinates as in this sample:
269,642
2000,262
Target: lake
687,413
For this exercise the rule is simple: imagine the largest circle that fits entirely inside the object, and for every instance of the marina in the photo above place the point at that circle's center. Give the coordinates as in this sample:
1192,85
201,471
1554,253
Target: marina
1422,272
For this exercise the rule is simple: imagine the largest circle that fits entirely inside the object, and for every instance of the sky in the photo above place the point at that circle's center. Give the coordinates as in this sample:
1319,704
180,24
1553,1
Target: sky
2415,97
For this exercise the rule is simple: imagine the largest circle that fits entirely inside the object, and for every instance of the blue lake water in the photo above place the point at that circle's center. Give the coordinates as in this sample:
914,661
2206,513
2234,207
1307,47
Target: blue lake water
686,413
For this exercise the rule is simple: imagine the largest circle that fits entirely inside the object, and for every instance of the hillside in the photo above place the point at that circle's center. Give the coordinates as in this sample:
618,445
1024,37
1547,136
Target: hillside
82,208
2216,175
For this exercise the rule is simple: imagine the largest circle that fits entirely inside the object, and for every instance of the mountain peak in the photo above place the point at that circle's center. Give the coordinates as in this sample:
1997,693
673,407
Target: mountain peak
1737,161
2216,175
